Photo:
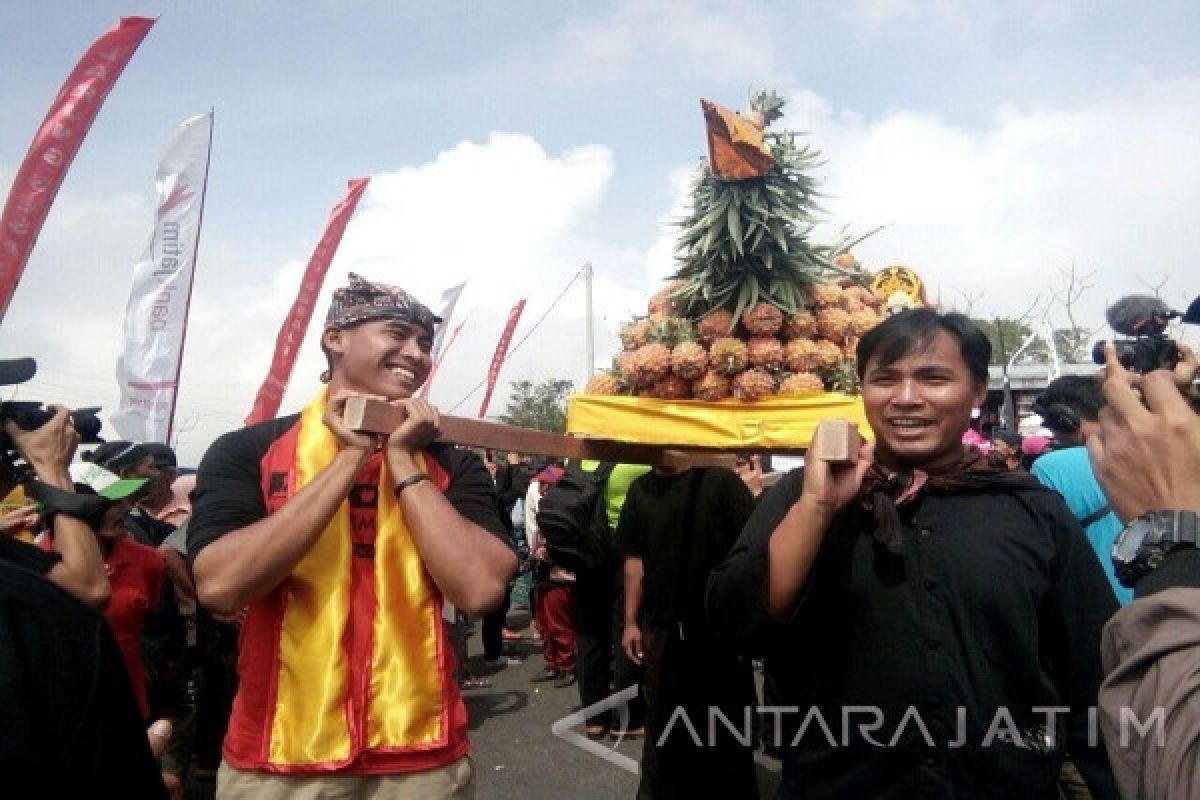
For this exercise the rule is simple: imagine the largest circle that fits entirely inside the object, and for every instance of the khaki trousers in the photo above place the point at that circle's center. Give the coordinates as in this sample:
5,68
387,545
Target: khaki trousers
452,782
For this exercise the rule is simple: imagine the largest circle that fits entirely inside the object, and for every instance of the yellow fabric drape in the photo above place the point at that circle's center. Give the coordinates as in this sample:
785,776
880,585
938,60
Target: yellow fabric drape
406,705
780,423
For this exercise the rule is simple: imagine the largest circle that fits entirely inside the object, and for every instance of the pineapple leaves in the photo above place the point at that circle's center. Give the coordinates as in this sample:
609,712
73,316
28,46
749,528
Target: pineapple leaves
742,242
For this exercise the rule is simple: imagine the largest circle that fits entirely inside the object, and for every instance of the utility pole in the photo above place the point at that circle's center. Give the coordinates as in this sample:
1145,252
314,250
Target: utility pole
589,334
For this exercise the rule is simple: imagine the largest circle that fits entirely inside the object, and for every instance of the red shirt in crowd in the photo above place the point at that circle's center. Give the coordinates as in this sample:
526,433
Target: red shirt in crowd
136,573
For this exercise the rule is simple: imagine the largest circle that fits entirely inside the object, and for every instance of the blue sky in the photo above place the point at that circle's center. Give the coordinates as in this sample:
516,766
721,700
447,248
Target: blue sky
512,141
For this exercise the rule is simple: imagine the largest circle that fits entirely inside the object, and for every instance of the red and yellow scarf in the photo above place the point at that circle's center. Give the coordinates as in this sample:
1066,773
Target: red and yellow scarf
404,693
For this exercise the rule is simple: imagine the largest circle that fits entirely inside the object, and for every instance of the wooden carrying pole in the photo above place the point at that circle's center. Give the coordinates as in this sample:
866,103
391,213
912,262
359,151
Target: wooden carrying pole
377,416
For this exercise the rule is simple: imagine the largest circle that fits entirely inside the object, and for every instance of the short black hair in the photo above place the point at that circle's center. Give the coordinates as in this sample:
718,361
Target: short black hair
1080,393
913,330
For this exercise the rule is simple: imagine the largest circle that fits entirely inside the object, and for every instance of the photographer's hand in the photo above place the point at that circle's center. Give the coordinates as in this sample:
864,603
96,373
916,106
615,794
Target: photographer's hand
1146,457
49,449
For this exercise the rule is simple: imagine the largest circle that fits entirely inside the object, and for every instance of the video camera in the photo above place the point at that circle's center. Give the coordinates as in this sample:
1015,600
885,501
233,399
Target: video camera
1145,319
31,415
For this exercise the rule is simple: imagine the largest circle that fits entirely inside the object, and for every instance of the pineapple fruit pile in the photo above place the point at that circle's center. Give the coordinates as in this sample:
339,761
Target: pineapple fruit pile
756,307
766,353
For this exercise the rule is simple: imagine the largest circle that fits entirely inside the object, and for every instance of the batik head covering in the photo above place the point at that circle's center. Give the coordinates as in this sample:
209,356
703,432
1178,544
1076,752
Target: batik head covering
364,301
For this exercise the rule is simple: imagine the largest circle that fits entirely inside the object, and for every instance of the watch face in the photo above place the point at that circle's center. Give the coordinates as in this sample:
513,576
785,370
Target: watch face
1125,549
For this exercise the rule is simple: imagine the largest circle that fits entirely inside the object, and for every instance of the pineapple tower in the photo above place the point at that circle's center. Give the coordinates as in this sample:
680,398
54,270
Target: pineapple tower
756,308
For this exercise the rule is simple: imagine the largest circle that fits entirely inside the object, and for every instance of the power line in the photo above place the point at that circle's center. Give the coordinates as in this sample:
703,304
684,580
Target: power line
517,346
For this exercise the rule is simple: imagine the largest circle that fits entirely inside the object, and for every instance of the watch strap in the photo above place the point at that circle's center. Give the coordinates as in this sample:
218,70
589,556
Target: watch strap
1176,527
1180,569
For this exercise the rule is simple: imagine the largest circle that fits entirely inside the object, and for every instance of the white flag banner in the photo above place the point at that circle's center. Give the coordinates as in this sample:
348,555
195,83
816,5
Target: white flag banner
449,300
156,316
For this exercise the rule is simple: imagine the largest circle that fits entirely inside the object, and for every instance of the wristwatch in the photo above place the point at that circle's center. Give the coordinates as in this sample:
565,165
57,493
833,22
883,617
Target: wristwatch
1146,540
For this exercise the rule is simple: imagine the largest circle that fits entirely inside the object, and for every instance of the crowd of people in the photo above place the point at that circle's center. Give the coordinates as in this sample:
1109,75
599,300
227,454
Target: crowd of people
935,619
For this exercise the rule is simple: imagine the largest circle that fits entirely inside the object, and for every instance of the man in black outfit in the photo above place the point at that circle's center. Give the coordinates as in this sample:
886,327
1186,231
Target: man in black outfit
70,725
674,528
936,621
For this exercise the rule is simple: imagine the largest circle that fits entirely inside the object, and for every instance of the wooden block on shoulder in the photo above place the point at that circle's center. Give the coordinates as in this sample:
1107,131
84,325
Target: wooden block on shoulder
836,441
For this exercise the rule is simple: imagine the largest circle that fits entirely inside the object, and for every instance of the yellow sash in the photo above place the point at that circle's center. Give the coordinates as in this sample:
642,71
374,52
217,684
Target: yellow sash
405,696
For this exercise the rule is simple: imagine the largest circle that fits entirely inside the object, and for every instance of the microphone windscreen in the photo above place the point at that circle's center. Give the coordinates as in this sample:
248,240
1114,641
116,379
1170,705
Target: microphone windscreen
1130,314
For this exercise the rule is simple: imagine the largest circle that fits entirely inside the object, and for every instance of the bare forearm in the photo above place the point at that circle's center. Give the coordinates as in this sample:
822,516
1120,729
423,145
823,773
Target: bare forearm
470,565
245,565
81,571
634,570
791,552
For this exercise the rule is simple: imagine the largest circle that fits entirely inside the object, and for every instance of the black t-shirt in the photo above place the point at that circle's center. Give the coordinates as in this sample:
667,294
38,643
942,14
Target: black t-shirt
228,493
678,546
69,724
997,601
28,556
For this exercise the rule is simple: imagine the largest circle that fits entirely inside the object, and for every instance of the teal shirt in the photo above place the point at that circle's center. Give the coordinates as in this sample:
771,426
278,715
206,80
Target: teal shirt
1069,472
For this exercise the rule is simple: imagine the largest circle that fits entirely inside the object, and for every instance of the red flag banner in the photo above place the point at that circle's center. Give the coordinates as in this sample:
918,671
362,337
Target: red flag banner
437,362
56,143
501,352
291,335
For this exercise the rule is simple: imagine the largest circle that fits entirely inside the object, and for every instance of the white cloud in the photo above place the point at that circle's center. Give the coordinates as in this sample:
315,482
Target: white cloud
1113,186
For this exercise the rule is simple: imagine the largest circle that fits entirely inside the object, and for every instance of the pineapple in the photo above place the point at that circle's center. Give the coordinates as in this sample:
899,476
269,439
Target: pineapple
764,319
869,297
764,351
833,324
714,325
863,295
651,364
827,354
863,321
801,325
634,334
842,376
605,383
728,356
753,384
672,387
664,303
850,301
689,360
625,365
825,294
671,331
845,260
802,384
711,387
800,355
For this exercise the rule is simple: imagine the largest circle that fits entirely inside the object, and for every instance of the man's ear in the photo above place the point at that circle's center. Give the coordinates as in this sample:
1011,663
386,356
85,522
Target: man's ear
980,397
331,340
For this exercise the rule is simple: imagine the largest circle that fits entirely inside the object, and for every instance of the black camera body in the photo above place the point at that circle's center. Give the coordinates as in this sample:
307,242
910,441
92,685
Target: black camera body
1141,354
31,415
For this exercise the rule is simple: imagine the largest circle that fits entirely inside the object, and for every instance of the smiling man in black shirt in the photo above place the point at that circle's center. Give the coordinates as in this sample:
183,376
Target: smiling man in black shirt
935,623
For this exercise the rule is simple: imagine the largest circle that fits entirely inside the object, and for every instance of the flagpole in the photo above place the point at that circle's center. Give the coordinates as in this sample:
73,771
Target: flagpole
589,331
